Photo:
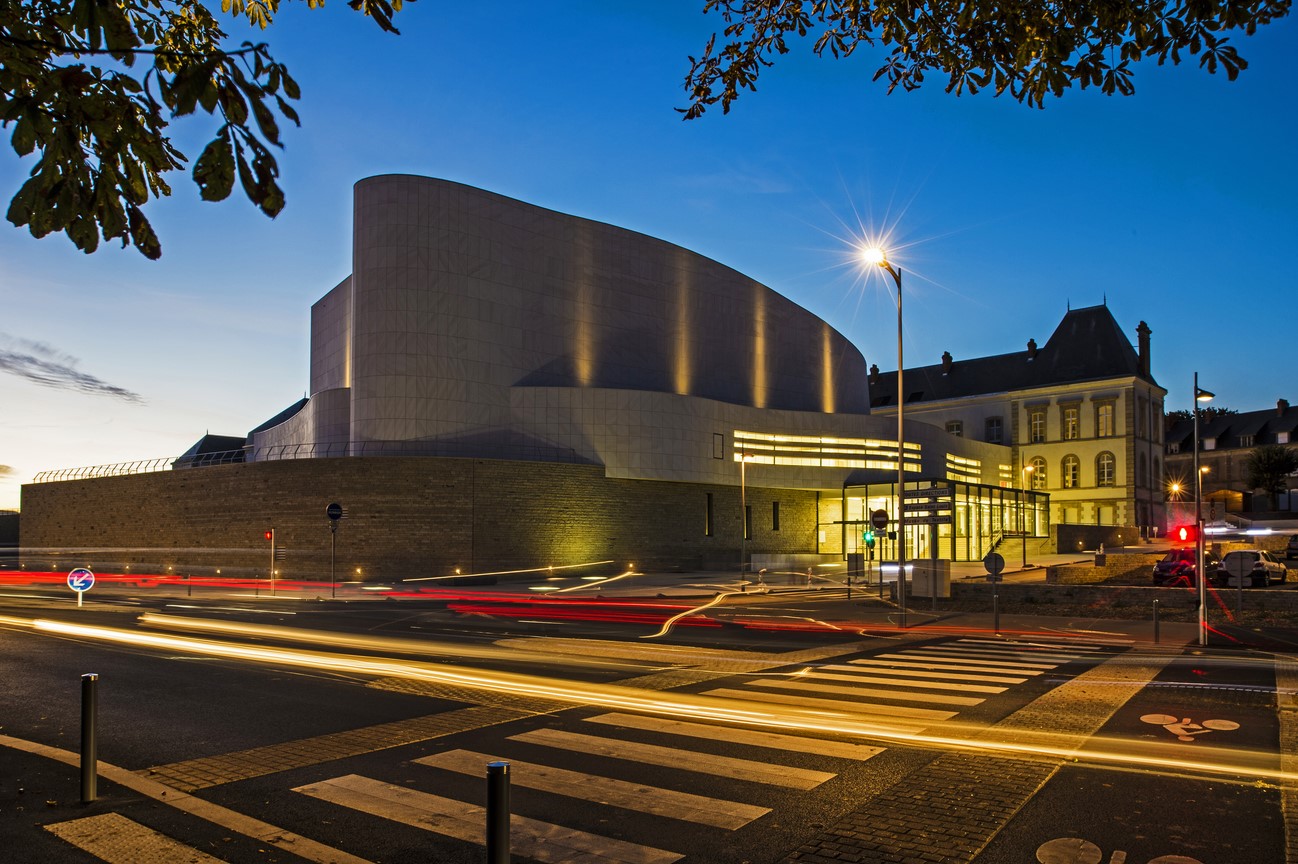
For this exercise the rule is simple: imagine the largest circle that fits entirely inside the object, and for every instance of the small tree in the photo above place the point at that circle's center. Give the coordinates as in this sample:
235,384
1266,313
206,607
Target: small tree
1268,466
98,127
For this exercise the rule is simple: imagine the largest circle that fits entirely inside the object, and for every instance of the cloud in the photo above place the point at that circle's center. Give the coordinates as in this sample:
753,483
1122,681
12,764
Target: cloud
41,364
5,471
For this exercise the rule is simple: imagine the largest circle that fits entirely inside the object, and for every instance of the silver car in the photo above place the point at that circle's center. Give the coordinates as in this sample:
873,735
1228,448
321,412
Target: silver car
1241,568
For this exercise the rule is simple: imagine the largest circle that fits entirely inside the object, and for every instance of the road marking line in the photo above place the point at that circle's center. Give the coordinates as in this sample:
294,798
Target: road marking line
115,839
972,651
886,667
262,832
673,757
1071,646
906,682
685,806
1002,665
529,838
900,696
890,715
735,735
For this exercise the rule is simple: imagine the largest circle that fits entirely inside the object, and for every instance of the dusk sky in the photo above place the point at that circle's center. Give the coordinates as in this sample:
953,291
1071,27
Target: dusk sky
1177,206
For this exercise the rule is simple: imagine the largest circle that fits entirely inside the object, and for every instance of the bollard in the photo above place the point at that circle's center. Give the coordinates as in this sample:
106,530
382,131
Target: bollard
498,813
1155,622
996,613
89,748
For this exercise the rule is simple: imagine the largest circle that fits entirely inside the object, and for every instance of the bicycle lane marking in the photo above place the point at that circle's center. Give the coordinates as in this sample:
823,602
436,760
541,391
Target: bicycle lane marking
1194,711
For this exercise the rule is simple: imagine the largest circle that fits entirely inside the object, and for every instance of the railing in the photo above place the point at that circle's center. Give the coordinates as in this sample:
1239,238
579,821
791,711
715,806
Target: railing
997,536
529,451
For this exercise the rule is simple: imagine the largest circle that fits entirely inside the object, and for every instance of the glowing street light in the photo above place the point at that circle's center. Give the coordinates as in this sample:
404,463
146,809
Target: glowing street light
1200,396
876,256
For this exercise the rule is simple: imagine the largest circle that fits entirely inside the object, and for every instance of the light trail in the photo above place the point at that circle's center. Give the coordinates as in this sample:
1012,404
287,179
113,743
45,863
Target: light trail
667,625
685,705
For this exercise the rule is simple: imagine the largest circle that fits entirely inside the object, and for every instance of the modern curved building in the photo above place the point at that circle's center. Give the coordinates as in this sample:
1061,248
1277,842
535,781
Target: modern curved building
479,330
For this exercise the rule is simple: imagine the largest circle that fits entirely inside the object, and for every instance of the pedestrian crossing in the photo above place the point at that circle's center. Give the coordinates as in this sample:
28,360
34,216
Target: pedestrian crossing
662,776
906,689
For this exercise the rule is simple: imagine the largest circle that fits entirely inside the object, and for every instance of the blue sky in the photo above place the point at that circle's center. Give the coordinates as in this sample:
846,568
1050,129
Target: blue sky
1176,206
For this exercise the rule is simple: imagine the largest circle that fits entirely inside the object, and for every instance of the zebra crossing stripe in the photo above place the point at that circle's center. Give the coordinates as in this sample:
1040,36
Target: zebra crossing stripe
746,737
871,692
113,838
974,651
897,717
917,670
905,682
607,790
1057,646
529,838
670,757
1002,665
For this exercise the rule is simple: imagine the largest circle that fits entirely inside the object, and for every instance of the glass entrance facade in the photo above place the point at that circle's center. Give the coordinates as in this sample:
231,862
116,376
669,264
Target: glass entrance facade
980,516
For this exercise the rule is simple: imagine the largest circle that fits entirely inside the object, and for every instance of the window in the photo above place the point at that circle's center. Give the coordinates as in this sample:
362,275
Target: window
1282,437
1068,422
1104,419
1246,440
1037,426
775,515
993,430
1140,416
707,517
718,445
955,427
1105,469
1071,471
1038,473
1142,471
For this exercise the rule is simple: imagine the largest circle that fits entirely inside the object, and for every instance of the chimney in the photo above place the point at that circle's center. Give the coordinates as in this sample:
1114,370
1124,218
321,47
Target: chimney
1281,406
874,373
1142,336
1032,349
946,362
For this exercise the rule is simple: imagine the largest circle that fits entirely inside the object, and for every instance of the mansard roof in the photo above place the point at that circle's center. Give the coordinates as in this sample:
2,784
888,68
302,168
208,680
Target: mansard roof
1088,345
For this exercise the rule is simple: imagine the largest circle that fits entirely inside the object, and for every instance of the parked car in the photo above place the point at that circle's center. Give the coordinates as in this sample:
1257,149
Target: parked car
1251,567
1291,548
1177,567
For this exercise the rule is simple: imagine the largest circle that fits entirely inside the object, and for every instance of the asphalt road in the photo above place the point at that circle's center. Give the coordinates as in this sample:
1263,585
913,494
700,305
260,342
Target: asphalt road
613,745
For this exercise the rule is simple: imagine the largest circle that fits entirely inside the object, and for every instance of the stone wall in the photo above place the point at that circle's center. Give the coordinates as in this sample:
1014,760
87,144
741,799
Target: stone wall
407,517
1116,566
1115,601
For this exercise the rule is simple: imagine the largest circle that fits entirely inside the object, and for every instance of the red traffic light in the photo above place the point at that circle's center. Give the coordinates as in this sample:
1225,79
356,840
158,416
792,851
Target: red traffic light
1184,534
269,535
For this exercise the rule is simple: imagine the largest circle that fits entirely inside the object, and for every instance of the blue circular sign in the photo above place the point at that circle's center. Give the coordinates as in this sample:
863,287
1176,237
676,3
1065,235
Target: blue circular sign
81,579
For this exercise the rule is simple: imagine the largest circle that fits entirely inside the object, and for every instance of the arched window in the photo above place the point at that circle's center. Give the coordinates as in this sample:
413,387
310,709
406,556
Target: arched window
1142,472
1105,469
1071,472
1038,473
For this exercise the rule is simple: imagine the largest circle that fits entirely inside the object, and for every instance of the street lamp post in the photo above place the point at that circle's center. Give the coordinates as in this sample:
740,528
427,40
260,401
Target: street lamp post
743,515
1023,531
1199,396
878,256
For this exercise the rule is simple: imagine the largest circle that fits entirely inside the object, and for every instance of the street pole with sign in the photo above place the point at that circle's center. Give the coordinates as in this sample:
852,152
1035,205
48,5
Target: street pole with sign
335,512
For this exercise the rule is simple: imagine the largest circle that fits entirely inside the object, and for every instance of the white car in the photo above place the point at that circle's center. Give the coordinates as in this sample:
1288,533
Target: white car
1241,568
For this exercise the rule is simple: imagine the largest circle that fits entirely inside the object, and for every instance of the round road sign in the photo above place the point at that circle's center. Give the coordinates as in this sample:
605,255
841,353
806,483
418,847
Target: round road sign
81,579
994,563
334,511
879,519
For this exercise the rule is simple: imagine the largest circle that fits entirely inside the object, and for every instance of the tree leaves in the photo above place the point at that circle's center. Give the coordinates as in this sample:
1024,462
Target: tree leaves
1034,49
98,134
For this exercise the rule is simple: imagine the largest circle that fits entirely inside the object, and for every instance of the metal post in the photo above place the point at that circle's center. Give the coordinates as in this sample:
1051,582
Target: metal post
743,513
333,546
1198,524
996,607
498,813
1155,622
89,741
272,561
901,455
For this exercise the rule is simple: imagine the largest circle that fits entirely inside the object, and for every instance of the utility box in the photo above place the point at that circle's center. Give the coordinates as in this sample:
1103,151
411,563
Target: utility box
928,577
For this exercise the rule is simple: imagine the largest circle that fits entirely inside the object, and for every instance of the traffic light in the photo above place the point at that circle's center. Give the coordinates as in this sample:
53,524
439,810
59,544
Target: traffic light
1184,534
867,537
269,535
